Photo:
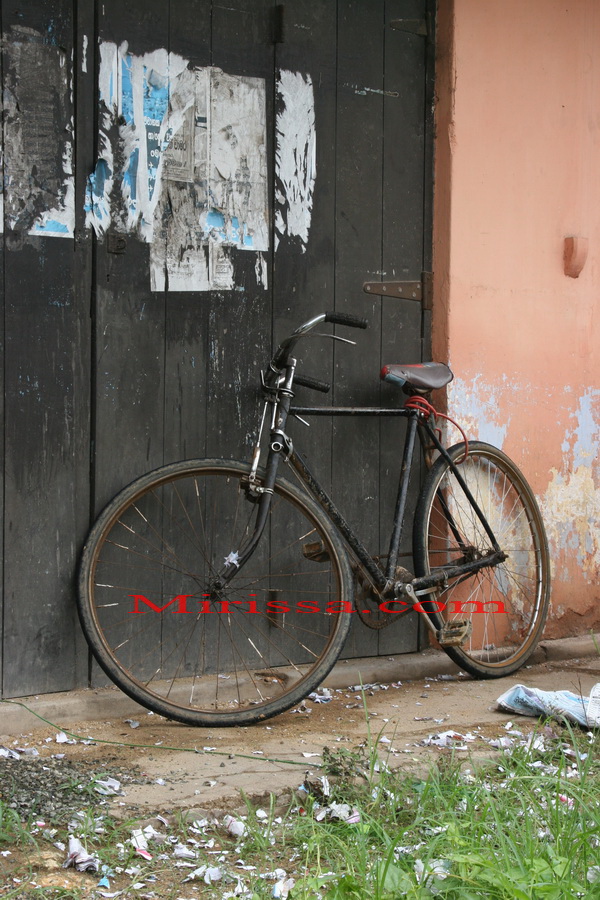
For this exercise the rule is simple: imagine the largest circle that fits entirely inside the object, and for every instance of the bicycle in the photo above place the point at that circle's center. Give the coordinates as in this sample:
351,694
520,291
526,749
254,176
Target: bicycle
218,592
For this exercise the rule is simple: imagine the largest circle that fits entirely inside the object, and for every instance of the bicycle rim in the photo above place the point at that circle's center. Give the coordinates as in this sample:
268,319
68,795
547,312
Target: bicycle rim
169,639
506,604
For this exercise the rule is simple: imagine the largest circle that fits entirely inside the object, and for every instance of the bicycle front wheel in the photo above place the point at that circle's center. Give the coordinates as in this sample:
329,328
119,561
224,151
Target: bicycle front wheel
506,604
194,652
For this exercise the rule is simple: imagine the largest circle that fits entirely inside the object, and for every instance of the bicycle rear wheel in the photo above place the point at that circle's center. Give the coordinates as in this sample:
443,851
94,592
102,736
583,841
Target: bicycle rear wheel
506,604
205,656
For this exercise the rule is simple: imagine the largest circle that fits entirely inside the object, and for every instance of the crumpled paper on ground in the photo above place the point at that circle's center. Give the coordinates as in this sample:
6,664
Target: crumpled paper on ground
528,701
79,857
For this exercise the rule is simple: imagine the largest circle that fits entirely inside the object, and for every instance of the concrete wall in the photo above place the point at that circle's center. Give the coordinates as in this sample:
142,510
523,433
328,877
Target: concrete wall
518,171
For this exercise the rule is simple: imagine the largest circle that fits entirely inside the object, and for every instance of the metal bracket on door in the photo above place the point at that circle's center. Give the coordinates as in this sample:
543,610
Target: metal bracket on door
404,290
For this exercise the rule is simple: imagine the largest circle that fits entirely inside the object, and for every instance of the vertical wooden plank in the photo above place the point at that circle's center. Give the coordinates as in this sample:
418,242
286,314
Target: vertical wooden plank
130,318
2,336
83,266
304,262
404,180
359,146
304,270
41,351
240,320
186,316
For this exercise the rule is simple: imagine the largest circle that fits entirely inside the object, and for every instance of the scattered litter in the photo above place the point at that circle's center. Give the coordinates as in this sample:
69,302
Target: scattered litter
384,740
6,753
323,695
344,812
79,857
282,888
449,739
207,873
593,874
235,827
138,839
561,704
433,869
133,723
308,755
183,852
108,787
61,738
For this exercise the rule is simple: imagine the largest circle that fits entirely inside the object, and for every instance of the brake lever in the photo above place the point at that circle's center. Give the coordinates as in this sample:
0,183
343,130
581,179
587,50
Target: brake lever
335,337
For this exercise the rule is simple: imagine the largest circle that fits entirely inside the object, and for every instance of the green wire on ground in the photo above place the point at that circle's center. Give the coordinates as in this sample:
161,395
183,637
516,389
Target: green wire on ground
79,737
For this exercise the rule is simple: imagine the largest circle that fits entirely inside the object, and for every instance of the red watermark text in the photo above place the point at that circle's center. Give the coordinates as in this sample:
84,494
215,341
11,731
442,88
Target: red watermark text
191,604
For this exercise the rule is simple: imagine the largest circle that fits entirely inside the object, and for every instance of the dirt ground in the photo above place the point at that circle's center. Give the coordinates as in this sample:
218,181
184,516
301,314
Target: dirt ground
163,766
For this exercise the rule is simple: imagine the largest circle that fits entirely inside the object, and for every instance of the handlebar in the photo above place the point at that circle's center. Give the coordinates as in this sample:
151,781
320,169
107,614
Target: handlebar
346,319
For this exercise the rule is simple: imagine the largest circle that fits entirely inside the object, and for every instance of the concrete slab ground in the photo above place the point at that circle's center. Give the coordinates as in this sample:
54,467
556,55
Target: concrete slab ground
407,699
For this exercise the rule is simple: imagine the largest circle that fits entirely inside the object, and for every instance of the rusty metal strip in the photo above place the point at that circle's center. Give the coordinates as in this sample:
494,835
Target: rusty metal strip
404,290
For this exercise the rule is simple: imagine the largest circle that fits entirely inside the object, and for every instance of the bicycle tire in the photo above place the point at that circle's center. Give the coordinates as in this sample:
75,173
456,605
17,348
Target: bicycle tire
164,537
503,636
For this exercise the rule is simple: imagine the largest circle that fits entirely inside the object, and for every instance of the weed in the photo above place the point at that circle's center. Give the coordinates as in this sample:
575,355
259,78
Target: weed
12,829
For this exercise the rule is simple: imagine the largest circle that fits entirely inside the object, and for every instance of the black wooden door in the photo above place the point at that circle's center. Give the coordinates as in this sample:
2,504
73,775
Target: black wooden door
237,168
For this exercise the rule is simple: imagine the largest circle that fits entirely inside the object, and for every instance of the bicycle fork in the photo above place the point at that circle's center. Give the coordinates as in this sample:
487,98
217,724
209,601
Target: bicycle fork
258,490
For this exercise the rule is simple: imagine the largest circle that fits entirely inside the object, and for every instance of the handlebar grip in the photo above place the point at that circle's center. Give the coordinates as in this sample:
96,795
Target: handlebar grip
346,319
312,383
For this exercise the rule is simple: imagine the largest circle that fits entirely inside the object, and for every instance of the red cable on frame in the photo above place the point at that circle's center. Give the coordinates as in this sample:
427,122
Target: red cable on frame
423,406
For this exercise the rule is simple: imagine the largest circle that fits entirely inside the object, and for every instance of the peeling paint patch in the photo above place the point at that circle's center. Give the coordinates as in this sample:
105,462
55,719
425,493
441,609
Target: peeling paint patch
366,90
295,156
38,147
585,437
261,271
571,512
476,406
571,503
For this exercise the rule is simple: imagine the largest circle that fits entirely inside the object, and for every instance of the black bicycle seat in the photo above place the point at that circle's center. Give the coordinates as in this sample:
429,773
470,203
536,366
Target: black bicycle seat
428,376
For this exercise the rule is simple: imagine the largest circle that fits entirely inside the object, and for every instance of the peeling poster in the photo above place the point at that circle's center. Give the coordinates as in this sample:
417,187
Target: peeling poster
182,165
39,190
295,157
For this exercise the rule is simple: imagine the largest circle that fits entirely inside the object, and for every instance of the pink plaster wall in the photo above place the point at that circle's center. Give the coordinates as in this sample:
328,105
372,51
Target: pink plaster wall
517,170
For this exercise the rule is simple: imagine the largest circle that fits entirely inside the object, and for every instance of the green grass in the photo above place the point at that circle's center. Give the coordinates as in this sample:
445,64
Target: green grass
524,826
12,830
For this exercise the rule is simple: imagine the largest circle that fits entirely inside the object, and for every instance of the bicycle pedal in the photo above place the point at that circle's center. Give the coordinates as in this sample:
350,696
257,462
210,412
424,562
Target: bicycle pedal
315,551
454,633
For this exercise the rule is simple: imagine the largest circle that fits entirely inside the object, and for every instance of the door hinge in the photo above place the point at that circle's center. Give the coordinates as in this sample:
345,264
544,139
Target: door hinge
422,290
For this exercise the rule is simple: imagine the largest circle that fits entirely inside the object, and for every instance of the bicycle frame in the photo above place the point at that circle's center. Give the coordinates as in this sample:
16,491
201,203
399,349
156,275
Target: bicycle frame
280,445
